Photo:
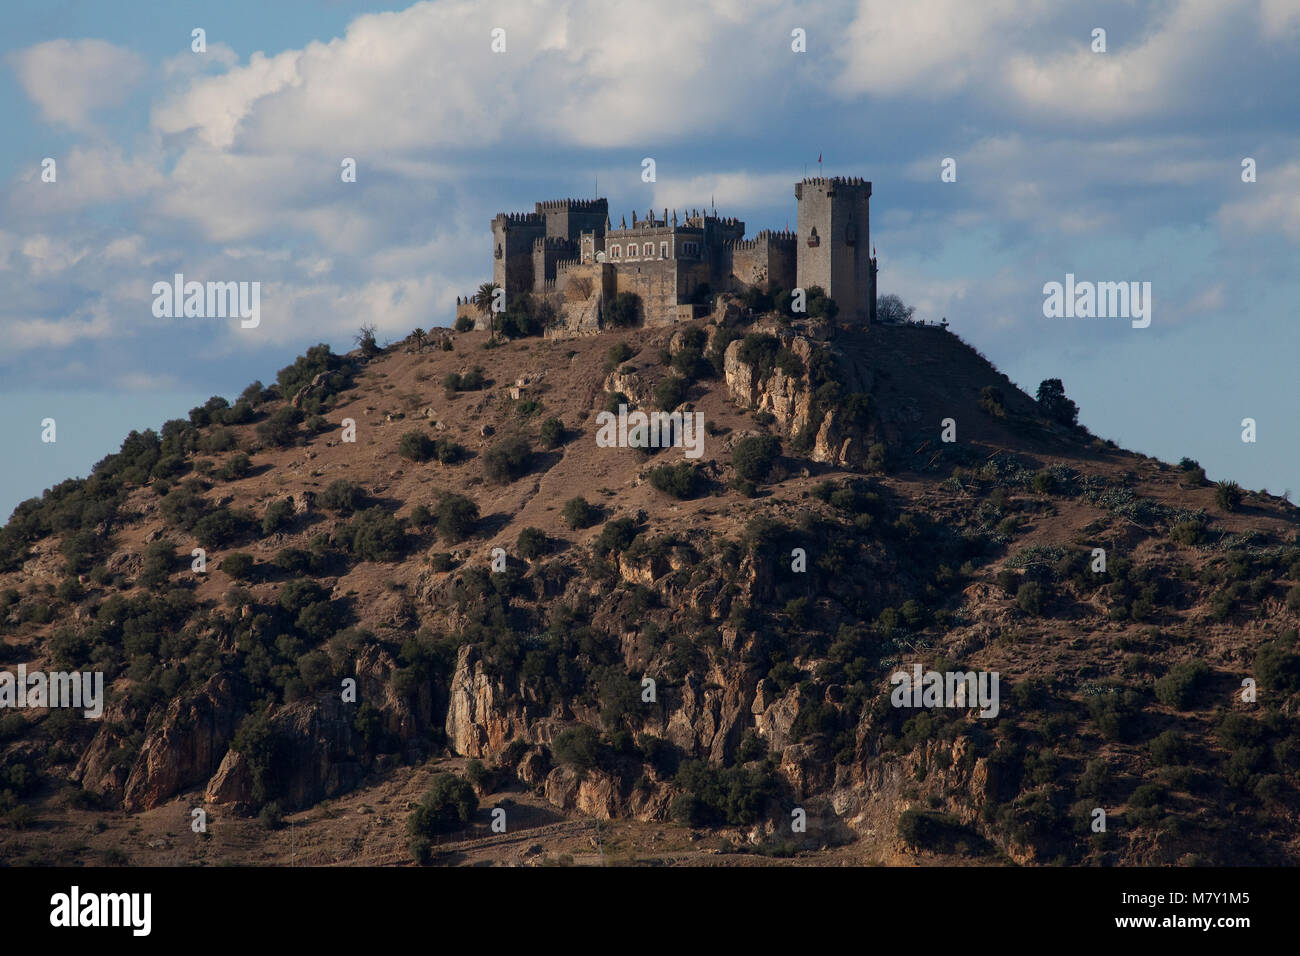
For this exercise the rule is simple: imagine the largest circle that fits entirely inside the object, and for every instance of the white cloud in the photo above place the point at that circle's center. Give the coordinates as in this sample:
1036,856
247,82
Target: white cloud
925,47
585,72
1269,205
47,255
70,79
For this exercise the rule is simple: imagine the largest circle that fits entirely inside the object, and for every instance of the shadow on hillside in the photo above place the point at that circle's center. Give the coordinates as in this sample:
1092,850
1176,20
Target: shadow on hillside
490,525
544,461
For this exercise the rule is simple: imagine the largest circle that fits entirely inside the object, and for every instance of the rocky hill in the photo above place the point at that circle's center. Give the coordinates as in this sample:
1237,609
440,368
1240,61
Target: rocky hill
418,558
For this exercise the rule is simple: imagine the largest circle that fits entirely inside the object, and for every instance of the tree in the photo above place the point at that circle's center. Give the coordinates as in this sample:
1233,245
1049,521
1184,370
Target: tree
448,805
624,310
578,513
507,460
533,543
1052,400
680,480
754,456
457,516
891,310
343,496
551,433
482,300
416,446
365,339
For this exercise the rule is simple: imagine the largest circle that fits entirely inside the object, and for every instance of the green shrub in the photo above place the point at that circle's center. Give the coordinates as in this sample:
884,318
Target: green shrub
222,526
457,517
416,446
1169,748
690,364
992,401
577,747
1029,598
372,535
508,460
615,536
736,796
579,514
681,480
343,497
551,434
449,805
1179,687
1227,495
1188,531
238,466
271,816
279,514
463,323
239,565
617,354
533,543
790,363
624,310
670,393
753,457
281,428
934,831
1277,666
759,350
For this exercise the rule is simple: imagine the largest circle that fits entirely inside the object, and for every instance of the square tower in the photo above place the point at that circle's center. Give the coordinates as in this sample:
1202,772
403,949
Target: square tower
834,243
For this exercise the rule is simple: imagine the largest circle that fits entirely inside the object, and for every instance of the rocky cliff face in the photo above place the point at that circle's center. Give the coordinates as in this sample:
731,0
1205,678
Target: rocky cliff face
789,399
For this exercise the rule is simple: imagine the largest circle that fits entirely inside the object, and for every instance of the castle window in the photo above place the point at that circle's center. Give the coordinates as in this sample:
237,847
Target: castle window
663,250
649,250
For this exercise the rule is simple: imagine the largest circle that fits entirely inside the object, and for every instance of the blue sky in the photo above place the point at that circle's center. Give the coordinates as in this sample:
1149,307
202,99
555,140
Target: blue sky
1123,165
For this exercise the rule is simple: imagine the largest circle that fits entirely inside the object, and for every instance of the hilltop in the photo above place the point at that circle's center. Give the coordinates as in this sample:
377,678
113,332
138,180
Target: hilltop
522,671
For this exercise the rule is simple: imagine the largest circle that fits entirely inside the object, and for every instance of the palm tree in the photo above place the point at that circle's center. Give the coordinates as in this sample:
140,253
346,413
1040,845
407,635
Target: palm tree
483,302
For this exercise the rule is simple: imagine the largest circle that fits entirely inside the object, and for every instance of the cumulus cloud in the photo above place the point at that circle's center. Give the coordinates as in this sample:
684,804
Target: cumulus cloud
578,72
71,79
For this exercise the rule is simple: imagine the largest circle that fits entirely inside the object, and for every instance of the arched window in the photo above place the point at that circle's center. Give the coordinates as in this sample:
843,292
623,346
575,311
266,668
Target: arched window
616,252
663,250
649,250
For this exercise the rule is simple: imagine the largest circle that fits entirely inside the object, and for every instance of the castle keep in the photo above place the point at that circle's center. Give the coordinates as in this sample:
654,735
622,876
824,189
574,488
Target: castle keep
568,250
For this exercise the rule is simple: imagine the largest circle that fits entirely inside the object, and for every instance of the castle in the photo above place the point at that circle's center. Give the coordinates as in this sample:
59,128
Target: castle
568,251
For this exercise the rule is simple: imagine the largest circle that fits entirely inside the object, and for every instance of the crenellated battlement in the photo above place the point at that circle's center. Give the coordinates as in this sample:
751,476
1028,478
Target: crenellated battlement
576,205
527,218
835,181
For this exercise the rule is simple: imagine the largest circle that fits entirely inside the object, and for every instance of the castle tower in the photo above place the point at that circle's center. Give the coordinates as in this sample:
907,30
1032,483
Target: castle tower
834,243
